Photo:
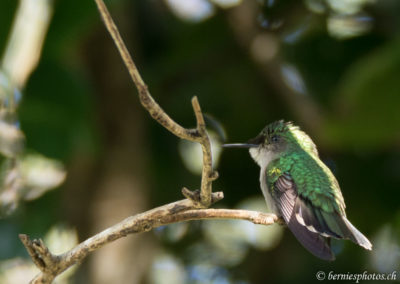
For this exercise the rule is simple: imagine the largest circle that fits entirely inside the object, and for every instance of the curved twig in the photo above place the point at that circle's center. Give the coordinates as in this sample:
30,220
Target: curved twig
198,134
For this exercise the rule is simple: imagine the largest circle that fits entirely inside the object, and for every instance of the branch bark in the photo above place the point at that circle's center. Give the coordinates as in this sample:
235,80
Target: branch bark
198,134
192,208
179,211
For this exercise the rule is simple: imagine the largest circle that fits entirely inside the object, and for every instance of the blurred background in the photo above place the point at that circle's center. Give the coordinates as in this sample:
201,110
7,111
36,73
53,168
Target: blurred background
78,153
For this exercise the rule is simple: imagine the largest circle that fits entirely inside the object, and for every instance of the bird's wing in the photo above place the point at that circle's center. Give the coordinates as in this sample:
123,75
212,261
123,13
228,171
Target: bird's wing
305,204
284,193
321,214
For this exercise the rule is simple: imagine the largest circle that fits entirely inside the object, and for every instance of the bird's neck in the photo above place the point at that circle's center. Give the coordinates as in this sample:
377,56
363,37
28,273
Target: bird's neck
263,156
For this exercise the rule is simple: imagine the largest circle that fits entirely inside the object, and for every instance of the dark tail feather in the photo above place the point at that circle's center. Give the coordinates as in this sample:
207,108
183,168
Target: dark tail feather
313,242
356,236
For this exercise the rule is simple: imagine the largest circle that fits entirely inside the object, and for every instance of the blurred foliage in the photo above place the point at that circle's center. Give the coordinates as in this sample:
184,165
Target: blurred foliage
21,270
23,176
343,56
368,89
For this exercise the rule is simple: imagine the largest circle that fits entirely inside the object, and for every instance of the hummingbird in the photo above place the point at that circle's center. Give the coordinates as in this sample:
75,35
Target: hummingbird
300,189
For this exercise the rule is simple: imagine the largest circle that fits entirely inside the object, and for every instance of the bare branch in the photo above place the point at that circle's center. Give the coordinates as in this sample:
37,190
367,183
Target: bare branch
43,259
208,174
196,135
52,265
144,95
255,217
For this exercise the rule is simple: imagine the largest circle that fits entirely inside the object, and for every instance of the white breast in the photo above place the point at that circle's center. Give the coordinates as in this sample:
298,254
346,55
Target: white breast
263,157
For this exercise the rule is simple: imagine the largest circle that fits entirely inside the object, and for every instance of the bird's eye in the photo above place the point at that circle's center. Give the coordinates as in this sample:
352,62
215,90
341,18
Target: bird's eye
274,139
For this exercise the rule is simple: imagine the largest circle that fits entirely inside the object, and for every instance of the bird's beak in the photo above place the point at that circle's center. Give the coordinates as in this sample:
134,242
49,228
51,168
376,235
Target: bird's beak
252,143
239,145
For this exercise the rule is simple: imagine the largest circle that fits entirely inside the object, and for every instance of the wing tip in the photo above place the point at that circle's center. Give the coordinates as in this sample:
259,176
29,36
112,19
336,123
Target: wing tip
357,237
365,244
313,242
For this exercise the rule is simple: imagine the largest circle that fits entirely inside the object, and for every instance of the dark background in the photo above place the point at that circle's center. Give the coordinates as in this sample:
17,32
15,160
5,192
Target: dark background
249,65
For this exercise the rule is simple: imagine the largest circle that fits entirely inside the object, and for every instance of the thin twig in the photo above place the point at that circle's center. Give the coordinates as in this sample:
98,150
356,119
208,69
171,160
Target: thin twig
196,135
145,98
208,174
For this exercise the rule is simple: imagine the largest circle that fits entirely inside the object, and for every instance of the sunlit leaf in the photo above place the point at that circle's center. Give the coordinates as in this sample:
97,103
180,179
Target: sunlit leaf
348,6
27,178
61,238
348,26
191,10
40,174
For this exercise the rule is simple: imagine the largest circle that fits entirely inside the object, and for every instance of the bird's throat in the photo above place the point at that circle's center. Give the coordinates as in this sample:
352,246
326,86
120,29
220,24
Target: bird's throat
262,156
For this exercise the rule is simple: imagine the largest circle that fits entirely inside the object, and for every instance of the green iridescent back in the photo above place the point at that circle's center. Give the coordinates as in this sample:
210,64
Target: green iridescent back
313,179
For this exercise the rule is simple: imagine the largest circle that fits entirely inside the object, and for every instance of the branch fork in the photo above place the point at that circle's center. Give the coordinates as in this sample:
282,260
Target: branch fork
194,207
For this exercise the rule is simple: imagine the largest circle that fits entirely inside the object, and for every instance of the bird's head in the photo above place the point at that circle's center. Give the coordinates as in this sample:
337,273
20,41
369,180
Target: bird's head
276,138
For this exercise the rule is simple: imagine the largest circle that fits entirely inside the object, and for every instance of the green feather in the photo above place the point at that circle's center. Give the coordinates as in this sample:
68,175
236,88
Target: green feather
314,181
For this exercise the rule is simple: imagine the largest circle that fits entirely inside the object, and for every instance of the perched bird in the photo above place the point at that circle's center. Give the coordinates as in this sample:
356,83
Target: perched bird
301,189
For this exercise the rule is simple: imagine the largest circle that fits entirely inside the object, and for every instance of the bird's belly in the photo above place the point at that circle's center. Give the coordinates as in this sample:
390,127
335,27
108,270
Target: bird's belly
267,195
